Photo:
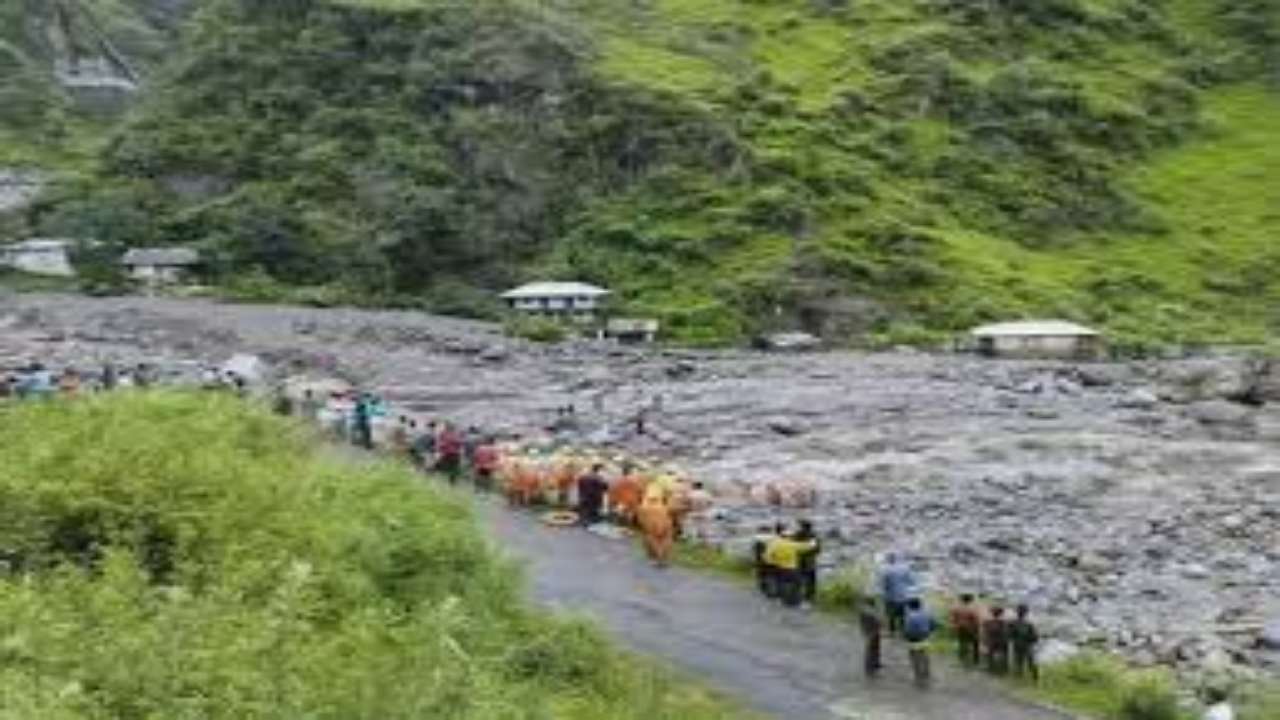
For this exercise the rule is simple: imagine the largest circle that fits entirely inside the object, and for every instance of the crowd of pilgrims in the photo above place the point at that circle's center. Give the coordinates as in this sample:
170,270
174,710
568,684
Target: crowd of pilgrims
661,505
664,507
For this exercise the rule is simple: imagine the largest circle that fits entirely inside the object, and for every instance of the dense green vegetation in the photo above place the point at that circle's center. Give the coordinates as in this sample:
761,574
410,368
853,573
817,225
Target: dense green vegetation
884,168
186,556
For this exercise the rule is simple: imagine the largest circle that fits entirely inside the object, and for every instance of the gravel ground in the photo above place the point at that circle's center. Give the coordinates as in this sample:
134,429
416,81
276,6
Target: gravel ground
1135,506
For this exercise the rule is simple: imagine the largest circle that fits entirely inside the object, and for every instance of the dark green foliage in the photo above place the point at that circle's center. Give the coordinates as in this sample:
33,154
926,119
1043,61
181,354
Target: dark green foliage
729,167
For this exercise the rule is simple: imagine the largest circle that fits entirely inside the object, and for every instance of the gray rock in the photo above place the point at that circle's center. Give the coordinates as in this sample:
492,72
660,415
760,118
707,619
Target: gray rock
1140,399
788,427
1055,652
1219,412
790,342
1269,638
494,354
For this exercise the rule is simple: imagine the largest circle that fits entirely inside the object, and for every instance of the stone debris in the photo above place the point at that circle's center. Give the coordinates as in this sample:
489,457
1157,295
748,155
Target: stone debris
1135,506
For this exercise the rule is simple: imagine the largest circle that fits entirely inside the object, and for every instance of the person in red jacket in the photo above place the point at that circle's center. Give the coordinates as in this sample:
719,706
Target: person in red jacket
449,453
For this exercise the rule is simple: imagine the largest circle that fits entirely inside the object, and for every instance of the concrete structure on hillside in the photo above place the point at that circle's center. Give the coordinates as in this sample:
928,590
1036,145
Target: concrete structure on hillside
161,266
632,331
1038,339
575,301
39,256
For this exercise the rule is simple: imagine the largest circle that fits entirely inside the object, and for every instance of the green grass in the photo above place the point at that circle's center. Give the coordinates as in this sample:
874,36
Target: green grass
25,282
186,555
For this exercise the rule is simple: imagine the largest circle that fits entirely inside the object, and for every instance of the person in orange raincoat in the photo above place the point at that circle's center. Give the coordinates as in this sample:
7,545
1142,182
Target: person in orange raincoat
680,507
523,483
654,517
625,495
564,478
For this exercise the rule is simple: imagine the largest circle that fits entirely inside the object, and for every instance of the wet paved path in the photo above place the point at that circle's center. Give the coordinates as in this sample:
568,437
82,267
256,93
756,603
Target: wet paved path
791,665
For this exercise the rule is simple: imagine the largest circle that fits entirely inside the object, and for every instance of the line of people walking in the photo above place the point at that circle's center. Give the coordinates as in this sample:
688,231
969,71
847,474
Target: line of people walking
984,637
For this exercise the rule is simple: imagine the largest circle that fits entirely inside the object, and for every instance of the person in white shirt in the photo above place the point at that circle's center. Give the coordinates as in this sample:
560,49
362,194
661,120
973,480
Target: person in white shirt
1219,707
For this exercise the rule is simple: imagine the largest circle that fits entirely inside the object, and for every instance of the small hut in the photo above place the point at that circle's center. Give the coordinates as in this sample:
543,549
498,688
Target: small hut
1039,339
161,266
39,256
568,300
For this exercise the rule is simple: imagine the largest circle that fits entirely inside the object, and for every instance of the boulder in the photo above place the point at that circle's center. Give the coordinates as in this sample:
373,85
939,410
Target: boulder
1094,376
1055,652
1269,638
789,342
1209,379
787,427
1140,399
1219,412
494,354
249,367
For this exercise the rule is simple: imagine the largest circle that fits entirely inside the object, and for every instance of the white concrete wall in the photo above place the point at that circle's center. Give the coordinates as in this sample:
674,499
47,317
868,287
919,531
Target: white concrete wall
156,274
53,262
1043,346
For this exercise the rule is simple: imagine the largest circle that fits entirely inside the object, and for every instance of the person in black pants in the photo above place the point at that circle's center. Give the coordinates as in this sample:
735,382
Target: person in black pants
808,563
872,631
592,489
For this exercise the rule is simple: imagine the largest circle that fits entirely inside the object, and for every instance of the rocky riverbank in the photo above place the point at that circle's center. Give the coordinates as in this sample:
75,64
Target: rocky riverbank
1136,506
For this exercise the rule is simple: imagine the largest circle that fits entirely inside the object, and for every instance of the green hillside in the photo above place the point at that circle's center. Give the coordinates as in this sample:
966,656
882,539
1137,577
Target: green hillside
201,559
856,168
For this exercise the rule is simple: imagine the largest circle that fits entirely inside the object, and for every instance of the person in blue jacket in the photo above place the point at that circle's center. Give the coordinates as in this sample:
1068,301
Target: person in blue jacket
918,629
897,584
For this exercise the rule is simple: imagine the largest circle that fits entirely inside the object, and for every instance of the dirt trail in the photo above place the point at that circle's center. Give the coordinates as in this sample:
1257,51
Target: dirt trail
790,665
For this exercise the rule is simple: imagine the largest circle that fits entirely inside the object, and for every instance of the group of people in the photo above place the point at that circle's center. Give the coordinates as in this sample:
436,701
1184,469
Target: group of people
982,636
786,563
35,381
662,506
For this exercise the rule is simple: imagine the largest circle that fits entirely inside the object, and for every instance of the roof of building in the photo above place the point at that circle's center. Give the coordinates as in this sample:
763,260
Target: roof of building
554,290
1035,328
38,245
161,257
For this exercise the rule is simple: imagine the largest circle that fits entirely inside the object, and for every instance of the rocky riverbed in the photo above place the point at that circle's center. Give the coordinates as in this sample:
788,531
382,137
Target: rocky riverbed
1136,506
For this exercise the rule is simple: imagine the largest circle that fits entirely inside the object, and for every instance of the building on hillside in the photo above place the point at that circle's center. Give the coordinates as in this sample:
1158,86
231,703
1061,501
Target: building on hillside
1038,339
632,331
39,256
161,266
568,300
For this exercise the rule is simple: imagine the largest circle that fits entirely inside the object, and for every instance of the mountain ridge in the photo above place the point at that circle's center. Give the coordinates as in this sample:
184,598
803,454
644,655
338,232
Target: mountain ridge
873,169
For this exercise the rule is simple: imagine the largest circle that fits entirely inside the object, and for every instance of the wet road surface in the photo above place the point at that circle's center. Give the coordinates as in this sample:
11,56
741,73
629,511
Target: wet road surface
788,664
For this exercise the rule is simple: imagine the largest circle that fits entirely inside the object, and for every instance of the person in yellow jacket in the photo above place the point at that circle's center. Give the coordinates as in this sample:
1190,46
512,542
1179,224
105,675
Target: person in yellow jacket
782,554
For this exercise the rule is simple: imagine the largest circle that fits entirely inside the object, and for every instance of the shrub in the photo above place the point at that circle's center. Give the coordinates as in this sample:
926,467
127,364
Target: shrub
539,330
845,589
1149,698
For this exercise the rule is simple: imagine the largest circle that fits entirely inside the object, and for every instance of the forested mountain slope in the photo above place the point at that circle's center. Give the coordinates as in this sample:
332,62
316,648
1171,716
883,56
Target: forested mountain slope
869,166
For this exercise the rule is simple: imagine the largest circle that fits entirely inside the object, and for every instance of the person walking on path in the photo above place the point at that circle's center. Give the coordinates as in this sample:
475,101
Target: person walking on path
783,554
918,628
995,635
362,422
1024,637
485,462
966,621
449,453
872,626
766,578
659,532
592,489
808,563
897,583
625,495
